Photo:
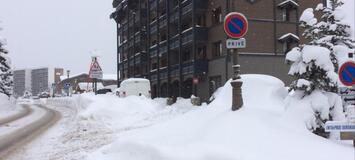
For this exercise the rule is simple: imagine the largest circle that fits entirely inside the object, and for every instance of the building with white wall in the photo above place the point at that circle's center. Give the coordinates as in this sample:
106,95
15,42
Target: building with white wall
36,80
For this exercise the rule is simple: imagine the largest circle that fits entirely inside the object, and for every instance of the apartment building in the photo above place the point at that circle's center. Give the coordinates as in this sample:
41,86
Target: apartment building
44,79
22,82
179,45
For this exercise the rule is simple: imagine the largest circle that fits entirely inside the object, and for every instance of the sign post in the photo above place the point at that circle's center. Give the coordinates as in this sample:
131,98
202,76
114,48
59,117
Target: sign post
236,26
95,73
347,78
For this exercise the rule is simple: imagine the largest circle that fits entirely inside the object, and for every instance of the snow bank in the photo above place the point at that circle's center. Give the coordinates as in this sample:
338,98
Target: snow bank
257,131
7,106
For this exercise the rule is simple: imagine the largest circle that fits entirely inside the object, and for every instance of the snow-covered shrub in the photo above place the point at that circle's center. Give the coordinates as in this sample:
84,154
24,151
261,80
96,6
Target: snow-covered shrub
314,66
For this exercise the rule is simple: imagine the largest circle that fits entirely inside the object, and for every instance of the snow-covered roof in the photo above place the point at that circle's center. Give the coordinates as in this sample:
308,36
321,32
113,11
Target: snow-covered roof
88,86
109,76
104,76
64,77
289,35
288,3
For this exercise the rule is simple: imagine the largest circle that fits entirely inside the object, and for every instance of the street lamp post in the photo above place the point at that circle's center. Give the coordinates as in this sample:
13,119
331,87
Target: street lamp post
68,73
236,83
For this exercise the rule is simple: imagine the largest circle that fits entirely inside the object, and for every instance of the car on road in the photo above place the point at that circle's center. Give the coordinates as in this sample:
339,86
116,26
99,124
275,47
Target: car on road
104,91
44,95
134,86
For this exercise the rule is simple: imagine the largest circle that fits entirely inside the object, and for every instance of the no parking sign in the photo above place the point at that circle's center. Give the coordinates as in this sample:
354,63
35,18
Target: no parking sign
235,25
347,73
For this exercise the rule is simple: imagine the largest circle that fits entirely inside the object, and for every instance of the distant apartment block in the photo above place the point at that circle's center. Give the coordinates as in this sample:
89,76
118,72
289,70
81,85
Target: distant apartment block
43,78
36,80
22,81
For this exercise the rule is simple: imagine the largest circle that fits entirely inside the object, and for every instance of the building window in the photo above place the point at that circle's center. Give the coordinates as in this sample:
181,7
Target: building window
217,15
286,15
217,49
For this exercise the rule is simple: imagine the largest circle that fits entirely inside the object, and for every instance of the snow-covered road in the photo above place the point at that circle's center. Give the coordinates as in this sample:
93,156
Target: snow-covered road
21,130
12,116
71,138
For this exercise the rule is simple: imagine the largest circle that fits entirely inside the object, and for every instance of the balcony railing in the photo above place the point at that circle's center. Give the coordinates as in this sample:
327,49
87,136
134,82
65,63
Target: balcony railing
174,43
163,21
153,28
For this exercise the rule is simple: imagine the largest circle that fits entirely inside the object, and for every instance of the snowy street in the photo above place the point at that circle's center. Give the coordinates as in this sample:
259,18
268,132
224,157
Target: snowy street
177,80
106,127
19,130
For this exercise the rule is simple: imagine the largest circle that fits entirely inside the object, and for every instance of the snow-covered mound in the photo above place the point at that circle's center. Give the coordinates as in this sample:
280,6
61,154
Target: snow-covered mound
257,131
6,106
123,114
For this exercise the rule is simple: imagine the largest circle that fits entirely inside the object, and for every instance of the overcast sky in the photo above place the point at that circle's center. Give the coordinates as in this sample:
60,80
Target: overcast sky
63,33
59,33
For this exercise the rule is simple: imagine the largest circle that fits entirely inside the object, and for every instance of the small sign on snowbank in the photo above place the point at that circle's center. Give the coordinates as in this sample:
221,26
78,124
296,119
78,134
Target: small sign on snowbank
332,126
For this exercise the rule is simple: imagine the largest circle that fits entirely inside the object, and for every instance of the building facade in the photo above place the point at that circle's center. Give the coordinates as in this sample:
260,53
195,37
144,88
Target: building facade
44,79
179,45
22,82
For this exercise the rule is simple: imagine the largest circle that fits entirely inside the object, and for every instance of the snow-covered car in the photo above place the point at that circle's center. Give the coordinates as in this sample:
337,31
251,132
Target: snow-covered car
134,86
44,95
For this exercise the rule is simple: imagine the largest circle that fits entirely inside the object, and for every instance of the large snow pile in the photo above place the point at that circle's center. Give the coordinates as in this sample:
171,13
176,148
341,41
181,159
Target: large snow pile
257,131
124,114
6,106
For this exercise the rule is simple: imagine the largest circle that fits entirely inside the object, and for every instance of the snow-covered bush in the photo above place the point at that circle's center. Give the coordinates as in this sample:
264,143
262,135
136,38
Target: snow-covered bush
6,75
315,65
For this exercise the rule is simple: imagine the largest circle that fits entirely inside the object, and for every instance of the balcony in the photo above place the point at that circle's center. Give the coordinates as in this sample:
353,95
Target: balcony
153,28
174,43
186,9
174,71
201,67
188,68
163,74
163,22
163,49
174,17
133,4
199,4
201,35
120,12
153,4
153,52
115,3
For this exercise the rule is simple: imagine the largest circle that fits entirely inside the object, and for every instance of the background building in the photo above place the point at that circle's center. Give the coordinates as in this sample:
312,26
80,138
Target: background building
43,79
22,82
36,80
180,44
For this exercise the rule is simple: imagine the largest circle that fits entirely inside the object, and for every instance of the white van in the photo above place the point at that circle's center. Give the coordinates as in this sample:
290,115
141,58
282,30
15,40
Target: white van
134,86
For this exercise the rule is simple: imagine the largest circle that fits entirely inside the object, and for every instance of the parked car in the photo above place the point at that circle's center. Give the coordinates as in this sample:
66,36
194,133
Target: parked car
134,86
44,95
103,91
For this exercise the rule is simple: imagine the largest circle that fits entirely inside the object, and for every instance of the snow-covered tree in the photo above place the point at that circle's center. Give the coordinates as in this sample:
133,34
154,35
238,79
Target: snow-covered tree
330,31
315,65
6,74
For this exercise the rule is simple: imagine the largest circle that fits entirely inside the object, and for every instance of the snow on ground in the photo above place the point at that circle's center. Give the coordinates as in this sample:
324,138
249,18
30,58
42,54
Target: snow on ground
258,131
7,106
90,122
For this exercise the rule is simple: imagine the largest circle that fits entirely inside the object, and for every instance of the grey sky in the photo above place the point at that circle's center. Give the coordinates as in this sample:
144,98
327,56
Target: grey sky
59,33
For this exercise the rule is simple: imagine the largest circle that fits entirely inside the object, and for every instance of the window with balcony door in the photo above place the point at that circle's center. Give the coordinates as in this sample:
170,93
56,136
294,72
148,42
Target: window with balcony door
217,16
217,49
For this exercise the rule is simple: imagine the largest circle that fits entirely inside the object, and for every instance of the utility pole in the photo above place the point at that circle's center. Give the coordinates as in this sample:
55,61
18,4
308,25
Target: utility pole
68,73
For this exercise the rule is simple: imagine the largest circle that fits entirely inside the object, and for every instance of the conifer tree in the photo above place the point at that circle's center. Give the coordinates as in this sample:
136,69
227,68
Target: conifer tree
6,74
315,64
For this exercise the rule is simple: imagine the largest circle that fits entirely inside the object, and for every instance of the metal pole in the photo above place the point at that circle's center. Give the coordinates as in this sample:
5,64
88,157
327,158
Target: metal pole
237,99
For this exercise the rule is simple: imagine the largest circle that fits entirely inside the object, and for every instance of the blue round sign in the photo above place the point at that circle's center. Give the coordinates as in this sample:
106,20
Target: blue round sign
235,25
347,73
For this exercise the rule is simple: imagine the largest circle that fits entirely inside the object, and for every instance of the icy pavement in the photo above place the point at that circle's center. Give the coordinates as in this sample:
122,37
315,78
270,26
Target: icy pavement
69,139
